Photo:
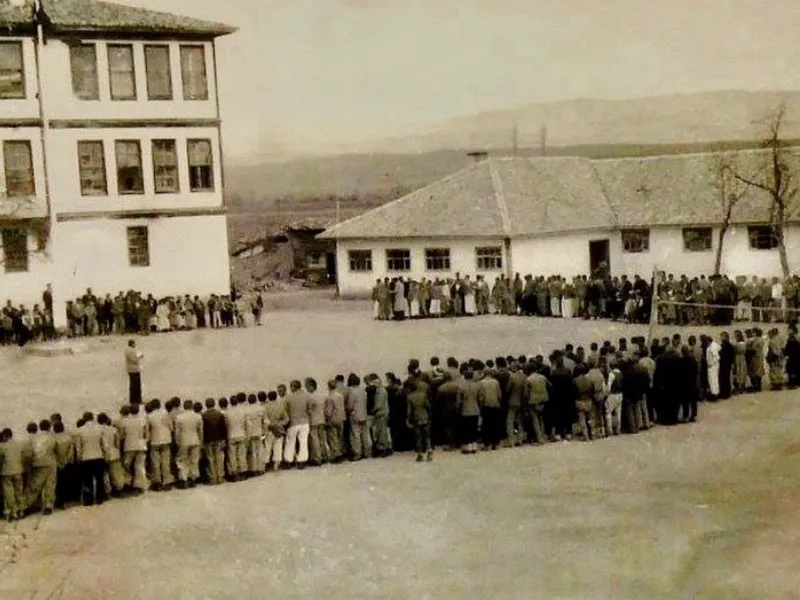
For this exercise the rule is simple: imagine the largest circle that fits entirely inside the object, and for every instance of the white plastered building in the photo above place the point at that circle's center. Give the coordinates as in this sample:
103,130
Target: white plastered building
111,151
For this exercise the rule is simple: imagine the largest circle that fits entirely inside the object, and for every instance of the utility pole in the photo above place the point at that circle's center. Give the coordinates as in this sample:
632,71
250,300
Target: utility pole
543,140
515,140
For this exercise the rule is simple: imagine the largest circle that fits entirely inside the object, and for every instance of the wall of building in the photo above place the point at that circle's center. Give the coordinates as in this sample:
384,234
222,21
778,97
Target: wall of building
26,288
462,260
188,255
568,254
64,174
61,103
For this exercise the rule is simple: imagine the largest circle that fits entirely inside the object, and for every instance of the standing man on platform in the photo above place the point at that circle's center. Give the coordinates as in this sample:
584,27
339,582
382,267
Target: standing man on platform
133,364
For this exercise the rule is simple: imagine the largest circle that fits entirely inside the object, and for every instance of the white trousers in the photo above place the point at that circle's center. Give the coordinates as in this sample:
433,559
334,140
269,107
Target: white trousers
555,306
713,379
566,308
614,414
436,307
297,442
273,446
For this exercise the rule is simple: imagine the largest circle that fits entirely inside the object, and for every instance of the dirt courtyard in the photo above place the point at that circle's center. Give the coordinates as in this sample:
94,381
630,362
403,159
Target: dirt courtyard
701,511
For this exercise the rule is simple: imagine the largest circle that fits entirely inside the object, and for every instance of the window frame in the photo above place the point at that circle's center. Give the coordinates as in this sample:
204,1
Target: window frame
437,259
176,166
21,265
353,258
405,259
210,166
102,165
138,144
186,82
95,72
22,94
644,240
700,234
169,95
111,72
485,254
30,172
137,257
764,231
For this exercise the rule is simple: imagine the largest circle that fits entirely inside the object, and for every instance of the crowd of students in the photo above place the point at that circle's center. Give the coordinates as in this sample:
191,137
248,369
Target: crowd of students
589,393
682,300
127,313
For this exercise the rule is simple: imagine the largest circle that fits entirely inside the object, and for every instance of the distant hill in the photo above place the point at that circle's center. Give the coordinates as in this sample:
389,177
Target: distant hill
584,127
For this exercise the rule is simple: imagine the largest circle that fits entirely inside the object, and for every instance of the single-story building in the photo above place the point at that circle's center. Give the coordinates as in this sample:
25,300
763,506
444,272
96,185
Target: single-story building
565,216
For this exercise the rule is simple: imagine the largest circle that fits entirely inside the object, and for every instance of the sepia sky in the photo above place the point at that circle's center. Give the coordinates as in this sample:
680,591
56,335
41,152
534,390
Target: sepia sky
302,75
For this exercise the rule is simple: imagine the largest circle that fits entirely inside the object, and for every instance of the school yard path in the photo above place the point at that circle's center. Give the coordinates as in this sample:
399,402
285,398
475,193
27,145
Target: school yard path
700,511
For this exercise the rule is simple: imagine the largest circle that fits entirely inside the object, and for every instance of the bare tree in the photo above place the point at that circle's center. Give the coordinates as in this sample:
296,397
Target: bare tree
777,179
730,190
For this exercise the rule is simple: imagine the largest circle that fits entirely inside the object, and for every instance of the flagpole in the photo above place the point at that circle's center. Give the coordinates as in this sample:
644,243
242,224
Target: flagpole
653,306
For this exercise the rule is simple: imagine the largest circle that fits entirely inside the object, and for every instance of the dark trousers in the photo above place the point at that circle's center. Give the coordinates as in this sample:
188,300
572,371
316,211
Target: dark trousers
93,477
68,486
492,427
422,438
135,388
468,430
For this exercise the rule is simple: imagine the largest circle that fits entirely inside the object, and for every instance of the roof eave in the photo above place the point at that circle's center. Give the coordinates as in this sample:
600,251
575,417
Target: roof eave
94,30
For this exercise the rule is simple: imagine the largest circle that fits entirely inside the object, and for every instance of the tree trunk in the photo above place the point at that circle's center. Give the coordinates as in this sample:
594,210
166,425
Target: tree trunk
782,253
780,233
718,258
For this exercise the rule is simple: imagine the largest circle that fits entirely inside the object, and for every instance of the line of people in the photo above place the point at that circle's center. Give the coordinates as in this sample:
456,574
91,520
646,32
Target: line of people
682,300
505,401
128,313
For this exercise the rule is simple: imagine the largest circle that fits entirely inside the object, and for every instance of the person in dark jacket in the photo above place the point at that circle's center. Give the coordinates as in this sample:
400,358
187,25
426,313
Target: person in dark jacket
668,386
727,356
215,432
563,396
792,353
419,418
689,373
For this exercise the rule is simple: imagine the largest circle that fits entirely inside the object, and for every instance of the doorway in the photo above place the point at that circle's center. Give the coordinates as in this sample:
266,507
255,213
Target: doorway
600,258
330,267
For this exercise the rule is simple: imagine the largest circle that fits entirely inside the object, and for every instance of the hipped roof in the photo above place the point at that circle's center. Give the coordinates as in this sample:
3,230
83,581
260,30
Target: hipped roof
94,16
518,197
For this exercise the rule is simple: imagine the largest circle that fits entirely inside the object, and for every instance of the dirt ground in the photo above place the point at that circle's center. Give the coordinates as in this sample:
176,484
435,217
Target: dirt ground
700,511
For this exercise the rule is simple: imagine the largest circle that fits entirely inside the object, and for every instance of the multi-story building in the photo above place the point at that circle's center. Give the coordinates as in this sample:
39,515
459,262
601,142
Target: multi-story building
111,150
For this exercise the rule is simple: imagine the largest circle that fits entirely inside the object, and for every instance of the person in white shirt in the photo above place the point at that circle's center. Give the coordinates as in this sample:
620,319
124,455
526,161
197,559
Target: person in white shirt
133,364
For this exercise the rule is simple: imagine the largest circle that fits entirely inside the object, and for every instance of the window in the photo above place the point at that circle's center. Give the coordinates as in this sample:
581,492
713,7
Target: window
360,260
19,169
129,167
12,70
437,259
193,73
636,240
697,239
762,237
489,258
201,165
138,247
121,73
83,63
165,166
92,168
15,250
398,260
158,71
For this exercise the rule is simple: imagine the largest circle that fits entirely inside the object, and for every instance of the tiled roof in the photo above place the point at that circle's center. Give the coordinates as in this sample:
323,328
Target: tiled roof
13,15
464,203
517,197
95,16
